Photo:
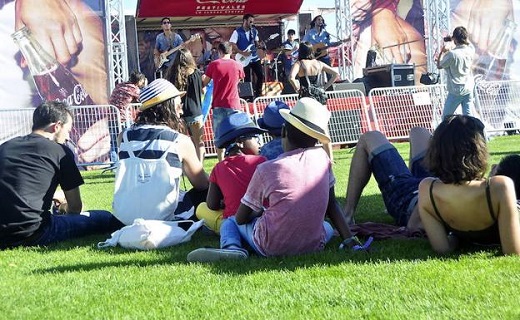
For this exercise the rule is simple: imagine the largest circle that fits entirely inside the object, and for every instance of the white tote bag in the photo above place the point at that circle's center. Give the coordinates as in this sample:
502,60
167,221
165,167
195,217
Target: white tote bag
145,188
151,234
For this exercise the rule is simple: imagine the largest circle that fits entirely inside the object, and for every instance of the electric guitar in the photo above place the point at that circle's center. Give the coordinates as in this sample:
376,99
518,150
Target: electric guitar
320,49
163,57
245,60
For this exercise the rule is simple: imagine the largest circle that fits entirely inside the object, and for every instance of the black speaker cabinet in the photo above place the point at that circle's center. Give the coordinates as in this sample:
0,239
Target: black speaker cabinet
345,125
390,75
245,90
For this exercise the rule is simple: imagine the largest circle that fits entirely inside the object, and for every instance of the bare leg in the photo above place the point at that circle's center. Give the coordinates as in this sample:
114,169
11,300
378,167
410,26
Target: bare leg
360,171
419,142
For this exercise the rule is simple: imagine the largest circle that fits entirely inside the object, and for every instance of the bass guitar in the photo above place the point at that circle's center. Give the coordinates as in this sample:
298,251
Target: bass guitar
163,57
320,49
245,60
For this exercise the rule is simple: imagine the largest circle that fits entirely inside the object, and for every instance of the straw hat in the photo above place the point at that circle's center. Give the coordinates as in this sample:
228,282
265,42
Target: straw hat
158,91
310,117
236,125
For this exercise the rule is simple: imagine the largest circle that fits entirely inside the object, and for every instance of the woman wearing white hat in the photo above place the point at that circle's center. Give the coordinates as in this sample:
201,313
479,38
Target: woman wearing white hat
156,134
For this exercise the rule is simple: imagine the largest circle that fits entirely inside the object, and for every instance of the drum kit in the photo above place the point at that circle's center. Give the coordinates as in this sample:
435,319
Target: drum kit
273,64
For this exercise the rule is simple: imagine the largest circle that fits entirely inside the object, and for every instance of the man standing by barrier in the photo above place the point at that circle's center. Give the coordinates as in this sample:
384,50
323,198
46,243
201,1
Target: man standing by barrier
31,168
226,74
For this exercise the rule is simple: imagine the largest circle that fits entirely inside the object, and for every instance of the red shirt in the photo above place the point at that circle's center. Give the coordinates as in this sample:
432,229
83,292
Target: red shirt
226,74
232,175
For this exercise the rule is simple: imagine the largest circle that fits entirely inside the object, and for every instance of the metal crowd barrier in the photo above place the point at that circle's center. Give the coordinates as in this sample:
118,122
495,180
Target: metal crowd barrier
93,135
498,103
396,110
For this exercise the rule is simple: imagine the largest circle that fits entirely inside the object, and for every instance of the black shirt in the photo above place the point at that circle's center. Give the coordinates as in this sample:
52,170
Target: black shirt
192,106
31,168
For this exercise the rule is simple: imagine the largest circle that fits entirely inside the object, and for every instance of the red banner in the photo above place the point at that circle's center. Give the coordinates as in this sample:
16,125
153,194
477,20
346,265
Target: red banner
190,8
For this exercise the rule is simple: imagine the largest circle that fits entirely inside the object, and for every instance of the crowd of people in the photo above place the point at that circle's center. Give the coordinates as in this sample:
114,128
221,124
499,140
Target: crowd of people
272,200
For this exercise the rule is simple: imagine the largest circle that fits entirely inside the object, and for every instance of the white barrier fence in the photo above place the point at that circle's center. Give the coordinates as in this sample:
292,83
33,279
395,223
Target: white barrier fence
394,111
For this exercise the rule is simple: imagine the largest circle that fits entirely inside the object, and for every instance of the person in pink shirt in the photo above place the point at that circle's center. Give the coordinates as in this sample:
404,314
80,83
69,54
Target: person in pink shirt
283,210
230,177
226,73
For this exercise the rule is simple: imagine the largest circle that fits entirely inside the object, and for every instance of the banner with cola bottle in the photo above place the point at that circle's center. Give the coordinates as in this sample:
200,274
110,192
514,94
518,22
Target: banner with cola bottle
57,51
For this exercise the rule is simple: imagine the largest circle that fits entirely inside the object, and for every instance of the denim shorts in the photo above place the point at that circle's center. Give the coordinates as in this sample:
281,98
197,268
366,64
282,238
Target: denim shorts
398,184
219,114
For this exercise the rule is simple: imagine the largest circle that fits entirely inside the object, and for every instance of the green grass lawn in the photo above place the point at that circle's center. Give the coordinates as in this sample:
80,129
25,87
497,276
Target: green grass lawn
398,279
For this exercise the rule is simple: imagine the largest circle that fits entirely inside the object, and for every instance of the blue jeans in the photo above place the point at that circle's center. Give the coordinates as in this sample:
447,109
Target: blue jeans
398,184
232,233
69,226
219,114
453,101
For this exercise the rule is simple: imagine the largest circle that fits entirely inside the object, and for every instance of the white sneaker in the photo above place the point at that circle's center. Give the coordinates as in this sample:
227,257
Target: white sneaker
211,254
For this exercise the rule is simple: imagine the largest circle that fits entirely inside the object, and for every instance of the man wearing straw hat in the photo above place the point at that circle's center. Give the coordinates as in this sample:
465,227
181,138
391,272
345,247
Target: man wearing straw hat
283,210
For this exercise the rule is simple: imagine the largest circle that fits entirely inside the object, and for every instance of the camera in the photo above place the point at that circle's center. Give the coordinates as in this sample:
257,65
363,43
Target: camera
447,39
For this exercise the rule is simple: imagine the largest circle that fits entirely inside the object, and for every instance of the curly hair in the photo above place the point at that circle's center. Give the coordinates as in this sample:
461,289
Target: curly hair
183,65
457,152
161,114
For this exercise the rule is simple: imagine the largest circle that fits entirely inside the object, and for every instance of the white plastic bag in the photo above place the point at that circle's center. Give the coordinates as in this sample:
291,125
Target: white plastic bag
151,234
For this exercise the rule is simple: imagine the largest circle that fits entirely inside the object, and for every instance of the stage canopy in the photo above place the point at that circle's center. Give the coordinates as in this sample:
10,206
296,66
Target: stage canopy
200,13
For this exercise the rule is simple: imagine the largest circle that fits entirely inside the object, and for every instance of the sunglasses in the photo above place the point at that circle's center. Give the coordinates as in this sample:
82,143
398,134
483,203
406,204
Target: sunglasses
166,22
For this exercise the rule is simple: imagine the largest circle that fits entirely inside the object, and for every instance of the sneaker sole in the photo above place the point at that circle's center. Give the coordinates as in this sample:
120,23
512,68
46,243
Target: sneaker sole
211,255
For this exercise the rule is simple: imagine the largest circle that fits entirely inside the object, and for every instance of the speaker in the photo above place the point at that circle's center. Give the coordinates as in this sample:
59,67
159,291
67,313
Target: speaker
390,75
273,88
349,86
245,90
345,125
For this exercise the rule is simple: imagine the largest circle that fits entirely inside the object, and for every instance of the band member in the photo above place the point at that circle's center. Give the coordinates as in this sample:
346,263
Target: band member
245,42
290,52
165,41
317,35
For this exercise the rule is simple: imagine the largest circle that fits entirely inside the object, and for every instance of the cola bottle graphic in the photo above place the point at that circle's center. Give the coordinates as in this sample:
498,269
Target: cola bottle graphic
492,64
53,81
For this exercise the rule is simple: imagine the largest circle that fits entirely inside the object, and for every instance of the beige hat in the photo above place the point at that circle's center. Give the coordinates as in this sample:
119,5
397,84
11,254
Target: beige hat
158,91
310,117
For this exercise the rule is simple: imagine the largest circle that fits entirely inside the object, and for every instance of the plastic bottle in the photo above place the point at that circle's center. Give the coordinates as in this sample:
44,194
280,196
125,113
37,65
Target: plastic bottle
53,81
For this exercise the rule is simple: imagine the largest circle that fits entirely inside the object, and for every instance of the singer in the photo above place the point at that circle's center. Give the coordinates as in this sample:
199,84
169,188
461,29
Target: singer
317,35
245,42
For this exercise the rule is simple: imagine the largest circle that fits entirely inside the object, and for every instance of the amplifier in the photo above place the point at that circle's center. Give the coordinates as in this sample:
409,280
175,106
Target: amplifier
245,90
390,75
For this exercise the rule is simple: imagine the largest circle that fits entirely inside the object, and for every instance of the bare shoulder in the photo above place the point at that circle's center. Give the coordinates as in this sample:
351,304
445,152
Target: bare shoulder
425,183
501,184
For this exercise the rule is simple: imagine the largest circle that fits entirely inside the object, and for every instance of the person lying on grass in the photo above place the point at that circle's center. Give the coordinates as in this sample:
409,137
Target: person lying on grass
229,179
398,183
283,210
460,205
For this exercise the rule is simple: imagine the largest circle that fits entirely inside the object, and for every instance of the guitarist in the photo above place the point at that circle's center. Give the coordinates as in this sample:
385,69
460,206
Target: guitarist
242,38
165,41
318,35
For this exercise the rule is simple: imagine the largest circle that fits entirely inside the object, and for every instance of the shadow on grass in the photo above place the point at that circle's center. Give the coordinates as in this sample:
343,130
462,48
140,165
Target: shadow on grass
382,251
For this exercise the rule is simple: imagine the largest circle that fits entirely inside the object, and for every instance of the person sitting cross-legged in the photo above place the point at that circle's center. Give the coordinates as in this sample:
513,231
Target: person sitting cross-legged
31,168
283,210
230,177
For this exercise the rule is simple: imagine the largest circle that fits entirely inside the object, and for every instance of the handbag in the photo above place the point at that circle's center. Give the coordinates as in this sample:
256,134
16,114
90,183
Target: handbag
429,78
146,188
312,91
151,234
